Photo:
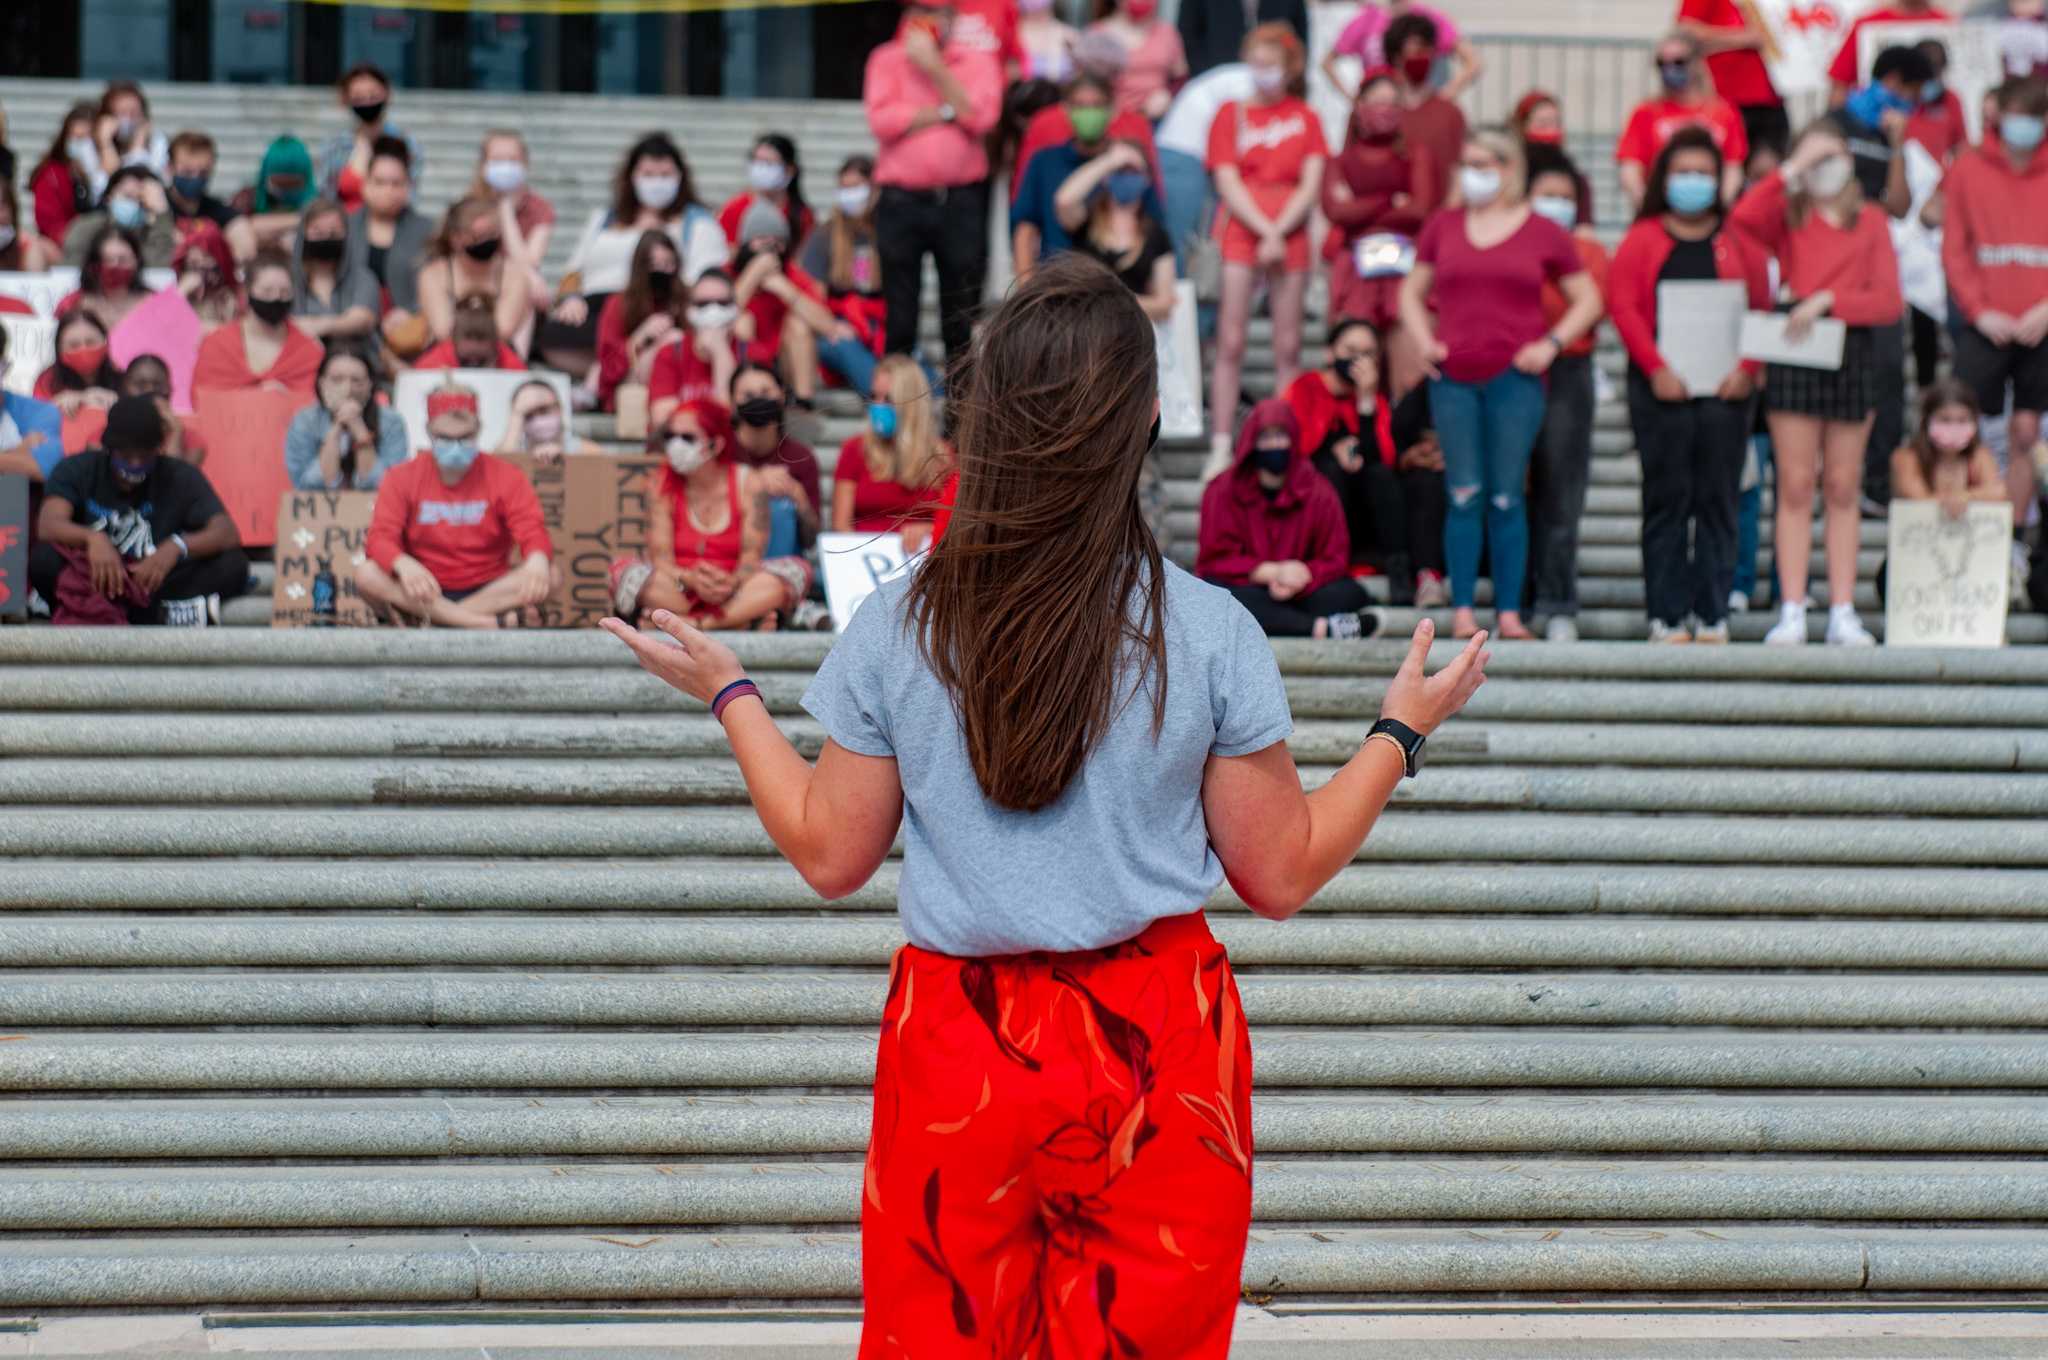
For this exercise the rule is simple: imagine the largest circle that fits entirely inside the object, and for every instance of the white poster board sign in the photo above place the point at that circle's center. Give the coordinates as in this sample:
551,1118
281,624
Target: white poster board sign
31,348
1764,339
1180,368
1699,331
855,566
1801,38
41,291
493,387
1946,580
1975,65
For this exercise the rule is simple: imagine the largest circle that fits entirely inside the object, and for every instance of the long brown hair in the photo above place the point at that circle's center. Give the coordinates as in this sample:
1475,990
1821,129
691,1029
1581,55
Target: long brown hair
1947,392
914,456
1043,609
636,300
461,215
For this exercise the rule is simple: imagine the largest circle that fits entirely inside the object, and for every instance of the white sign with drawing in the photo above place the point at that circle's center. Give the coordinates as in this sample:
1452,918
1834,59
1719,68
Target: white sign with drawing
1801,38
1946,580
1699,331
41,291
493,387
31,348
1180,368
855,565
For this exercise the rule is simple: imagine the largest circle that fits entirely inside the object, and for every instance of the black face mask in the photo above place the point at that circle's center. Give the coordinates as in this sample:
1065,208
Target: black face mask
370,113
1341,369
661,284
483,251
759,411
327,251
1152,440
271,311
1275,461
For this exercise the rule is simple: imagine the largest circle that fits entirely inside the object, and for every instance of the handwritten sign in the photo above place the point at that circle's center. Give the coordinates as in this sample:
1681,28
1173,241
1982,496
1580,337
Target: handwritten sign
31,348
1946,579
320,534
41,291
13,547
244,436
856,565
1180,368
167,327
597,508
493,387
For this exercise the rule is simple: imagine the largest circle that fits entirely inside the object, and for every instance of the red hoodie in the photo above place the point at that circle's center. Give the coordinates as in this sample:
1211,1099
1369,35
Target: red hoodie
1632,285
1994,244
1243,529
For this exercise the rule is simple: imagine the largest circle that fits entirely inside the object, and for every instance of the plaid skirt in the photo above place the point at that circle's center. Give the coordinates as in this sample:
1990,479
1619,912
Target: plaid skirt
1846,394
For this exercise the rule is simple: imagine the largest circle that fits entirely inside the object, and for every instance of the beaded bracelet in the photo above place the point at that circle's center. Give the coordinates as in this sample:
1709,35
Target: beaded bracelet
738,689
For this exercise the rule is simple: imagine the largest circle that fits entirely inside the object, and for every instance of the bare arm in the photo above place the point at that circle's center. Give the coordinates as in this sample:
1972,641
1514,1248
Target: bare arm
754,529
1336,77
1305,196
1024,242
1634,180
842,506
1586,307
1469,63
1714,41
1230,188
437,303
1157,300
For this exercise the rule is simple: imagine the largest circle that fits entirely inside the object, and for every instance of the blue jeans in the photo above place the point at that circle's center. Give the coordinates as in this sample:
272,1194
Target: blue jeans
1748,520
1190,208
852,361
1487,431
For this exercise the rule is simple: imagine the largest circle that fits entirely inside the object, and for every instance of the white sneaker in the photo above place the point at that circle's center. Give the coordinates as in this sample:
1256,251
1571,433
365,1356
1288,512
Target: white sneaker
200,611
1846,630
1710,634
1790,629
1562,628
1220,458
1738,603
1668,634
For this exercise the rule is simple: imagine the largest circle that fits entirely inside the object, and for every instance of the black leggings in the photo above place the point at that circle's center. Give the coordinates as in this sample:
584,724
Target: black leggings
1297,617
1396,519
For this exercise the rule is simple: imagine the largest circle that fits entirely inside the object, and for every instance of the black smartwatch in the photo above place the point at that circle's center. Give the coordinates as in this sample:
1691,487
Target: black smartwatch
1408,739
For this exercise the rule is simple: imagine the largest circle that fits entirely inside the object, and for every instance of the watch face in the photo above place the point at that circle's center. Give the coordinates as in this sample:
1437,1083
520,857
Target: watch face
1416,756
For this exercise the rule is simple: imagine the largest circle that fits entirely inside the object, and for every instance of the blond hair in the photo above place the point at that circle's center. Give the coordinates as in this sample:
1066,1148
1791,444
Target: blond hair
913,457
1507,148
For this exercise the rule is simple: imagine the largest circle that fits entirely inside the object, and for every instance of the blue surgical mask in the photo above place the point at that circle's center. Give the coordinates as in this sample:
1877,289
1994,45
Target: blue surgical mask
1690,192
1127,186
125,212
882,419
1563,211
2021,131
1932,91
454,455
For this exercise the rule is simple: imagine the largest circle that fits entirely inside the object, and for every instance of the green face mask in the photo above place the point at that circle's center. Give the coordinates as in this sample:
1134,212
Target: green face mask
1089,124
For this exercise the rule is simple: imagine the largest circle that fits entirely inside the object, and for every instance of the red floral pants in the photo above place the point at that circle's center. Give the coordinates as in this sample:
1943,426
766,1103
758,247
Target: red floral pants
1061,1157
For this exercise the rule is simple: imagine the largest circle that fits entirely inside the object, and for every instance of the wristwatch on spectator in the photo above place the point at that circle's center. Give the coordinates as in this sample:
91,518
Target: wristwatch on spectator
947,113
1402,735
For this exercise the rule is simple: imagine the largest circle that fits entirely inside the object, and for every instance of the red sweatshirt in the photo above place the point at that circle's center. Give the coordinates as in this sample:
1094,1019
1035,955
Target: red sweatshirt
1242,530
1858,265
1632,285
1994,246
1375,172
465,533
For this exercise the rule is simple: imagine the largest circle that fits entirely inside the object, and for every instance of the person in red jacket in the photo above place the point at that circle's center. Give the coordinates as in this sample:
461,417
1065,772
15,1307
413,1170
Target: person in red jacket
445,526
1692,445
1834,253
61,184
1273,535
1994,249
636,322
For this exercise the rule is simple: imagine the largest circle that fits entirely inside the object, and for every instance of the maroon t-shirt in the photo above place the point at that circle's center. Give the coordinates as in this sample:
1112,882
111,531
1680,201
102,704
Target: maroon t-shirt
1489,303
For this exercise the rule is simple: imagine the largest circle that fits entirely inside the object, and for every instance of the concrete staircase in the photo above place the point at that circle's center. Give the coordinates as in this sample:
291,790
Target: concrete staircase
384,971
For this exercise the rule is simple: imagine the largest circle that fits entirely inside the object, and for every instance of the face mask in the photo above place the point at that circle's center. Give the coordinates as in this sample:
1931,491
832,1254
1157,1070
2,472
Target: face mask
125,129
661,284
1416,70
454,455
1676,75
711,316
1690,192
271,311
760,411
1275,461
483,251
1034,6
126,212
6,237
1269,79
657,191
1089,124
83,150
767,176
853,199
543,427
1932,91
116,277
85,362
326,251
1141,10
1830,177
191,188
2020,131
505,176
1378,122
1127,186
1544,136
685,454
132,472
1481,187
882,419
1340,368
1563,211
369,113
1953,436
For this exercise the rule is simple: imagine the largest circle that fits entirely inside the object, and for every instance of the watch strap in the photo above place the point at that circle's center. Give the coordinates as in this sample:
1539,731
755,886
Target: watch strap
1407,738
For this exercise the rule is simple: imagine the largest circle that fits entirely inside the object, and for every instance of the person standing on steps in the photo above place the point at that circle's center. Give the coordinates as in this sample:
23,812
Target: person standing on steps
1057,854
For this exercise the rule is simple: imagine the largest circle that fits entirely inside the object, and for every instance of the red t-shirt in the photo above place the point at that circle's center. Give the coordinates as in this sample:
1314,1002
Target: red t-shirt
1741,78
1267,143
878,507
988,26
1940,127
1844,70
1489,303
736,208
680,372
1656,120
465,533
443,356
770,311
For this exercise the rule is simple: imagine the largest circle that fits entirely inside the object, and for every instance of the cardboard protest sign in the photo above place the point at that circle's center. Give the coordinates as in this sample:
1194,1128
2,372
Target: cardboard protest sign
1180,368
41,291
1946,579
13,547
31,348
320,542
244,436
493,387
855,566
597,507
551,484
167,327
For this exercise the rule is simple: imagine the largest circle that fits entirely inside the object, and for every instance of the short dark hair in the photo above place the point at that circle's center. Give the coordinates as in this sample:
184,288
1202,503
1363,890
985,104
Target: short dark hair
1349,323
362,68
2028,94
1691,137
1909,64
194,141
122,176
753,366
1544,159
1088,80
388,147
475,319
1402,30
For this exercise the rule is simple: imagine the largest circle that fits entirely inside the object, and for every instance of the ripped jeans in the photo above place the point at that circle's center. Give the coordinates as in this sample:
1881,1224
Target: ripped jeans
1487,431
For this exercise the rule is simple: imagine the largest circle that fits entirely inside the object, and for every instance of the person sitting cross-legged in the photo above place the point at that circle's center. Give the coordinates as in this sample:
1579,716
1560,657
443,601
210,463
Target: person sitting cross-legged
445,526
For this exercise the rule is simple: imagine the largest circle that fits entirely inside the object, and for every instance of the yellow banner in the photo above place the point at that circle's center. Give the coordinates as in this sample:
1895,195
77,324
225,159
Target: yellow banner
598,7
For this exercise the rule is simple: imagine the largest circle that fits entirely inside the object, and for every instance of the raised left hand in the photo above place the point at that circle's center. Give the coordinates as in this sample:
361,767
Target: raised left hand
699,666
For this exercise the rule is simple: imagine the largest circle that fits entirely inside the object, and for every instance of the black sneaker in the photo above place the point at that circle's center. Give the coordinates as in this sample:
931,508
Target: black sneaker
1349,625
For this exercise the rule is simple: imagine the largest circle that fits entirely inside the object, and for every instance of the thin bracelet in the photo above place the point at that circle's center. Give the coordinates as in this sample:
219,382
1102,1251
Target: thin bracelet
1392,741
738,689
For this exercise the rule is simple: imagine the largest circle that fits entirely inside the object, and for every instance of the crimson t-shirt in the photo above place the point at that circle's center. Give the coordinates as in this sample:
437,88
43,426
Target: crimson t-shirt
1489,303
1656,120
1267,143
879,507
1844,69
1740,77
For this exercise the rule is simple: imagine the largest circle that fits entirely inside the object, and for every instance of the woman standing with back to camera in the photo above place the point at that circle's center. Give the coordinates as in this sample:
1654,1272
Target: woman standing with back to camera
1060,1162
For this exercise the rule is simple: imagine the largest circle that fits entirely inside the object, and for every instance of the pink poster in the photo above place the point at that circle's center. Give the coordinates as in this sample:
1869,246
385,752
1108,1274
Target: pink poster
167,327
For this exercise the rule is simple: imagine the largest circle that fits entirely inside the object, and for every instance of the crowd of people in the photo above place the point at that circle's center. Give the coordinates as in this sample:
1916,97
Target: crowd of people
1444,445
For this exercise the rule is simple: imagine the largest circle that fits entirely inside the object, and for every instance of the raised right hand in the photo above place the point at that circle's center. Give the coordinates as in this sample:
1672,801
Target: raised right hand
1426,702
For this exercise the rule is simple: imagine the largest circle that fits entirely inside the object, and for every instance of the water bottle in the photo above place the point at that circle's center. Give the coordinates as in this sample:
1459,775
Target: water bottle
324,593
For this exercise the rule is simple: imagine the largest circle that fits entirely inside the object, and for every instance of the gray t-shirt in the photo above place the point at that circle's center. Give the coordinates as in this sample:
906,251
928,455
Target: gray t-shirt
1124,846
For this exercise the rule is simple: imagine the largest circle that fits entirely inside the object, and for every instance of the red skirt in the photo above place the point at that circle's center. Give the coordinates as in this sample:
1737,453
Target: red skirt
1061,1157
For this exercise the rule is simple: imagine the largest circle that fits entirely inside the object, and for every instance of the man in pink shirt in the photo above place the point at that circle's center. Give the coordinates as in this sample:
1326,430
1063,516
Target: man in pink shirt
929,104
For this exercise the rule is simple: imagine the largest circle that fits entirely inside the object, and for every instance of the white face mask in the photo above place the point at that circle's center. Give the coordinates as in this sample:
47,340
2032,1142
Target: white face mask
767,176
543,427
1480,187
712,316
657,191
505,176
6,237
1563,211
1269,79
83,150
686,455
1830,177
853,199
